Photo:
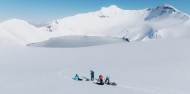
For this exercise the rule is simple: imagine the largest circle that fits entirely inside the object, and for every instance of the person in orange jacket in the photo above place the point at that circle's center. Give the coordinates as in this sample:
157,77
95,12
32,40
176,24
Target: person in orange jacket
101,82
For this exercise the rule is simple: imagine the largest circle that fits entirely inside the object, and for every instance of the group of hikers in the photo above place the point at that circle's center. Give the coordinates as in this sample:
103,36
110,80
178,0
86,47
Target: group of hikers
100,80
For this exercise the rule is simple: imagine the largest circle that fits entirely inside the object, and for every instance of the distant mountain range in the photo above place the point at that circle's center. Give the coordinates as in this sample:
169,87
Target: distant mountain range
161,22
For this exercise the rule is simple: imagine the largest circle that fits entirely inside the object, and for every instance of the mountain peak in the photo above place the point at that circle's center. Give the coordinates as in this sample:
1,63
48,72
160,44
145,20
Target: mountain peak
14,21
109,11
112,7
165,9
167,5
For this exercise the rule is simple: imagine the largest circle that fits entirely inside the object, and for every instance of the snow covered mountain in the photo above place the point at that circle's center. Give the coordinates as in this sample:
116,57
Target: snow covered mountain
17,31
136,25
162,22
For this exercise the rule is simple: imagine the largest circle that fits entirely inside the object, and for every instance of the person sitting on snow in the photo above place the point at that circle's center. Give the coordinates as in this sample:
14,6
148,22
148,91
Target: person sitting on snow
107,81
77,78
101,82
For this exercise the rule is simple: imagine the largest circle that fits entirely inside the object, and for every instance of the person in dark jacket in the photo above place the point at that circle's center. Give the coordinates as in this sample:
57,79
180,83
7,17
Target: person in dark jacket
92,75
107,81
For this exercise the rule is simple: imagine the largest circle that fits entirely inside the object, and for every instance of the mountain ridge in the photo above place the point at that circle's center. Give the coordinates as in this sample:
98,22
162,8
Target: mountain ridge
161,22
119,23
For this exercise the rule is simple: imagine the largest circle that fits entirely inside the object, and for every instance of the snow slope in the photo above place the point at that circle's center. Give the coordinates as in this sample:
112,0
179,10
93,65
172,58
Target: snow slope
20,32
162,22
152,67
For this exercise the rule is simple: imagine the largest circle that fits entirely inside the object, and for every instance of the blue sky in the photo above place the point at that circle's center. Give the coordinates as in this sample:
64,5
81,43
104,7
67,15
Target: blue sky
47,10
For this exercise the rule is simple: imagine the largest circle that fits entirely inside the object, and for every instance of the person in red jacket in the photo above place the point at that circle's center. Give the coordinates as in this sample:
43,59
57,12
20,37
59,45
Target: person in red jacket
101,82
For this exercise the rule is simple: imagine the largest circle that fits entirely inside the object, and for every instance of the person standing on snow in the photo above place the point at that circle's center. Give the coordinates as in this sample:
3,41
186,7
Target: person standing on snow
92,75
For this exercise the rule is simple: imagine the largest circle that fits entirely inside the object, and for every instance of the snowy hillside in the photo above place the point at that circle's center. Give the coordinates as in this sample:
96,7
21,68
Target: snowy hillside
17,31
152,23
162,22
153,67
